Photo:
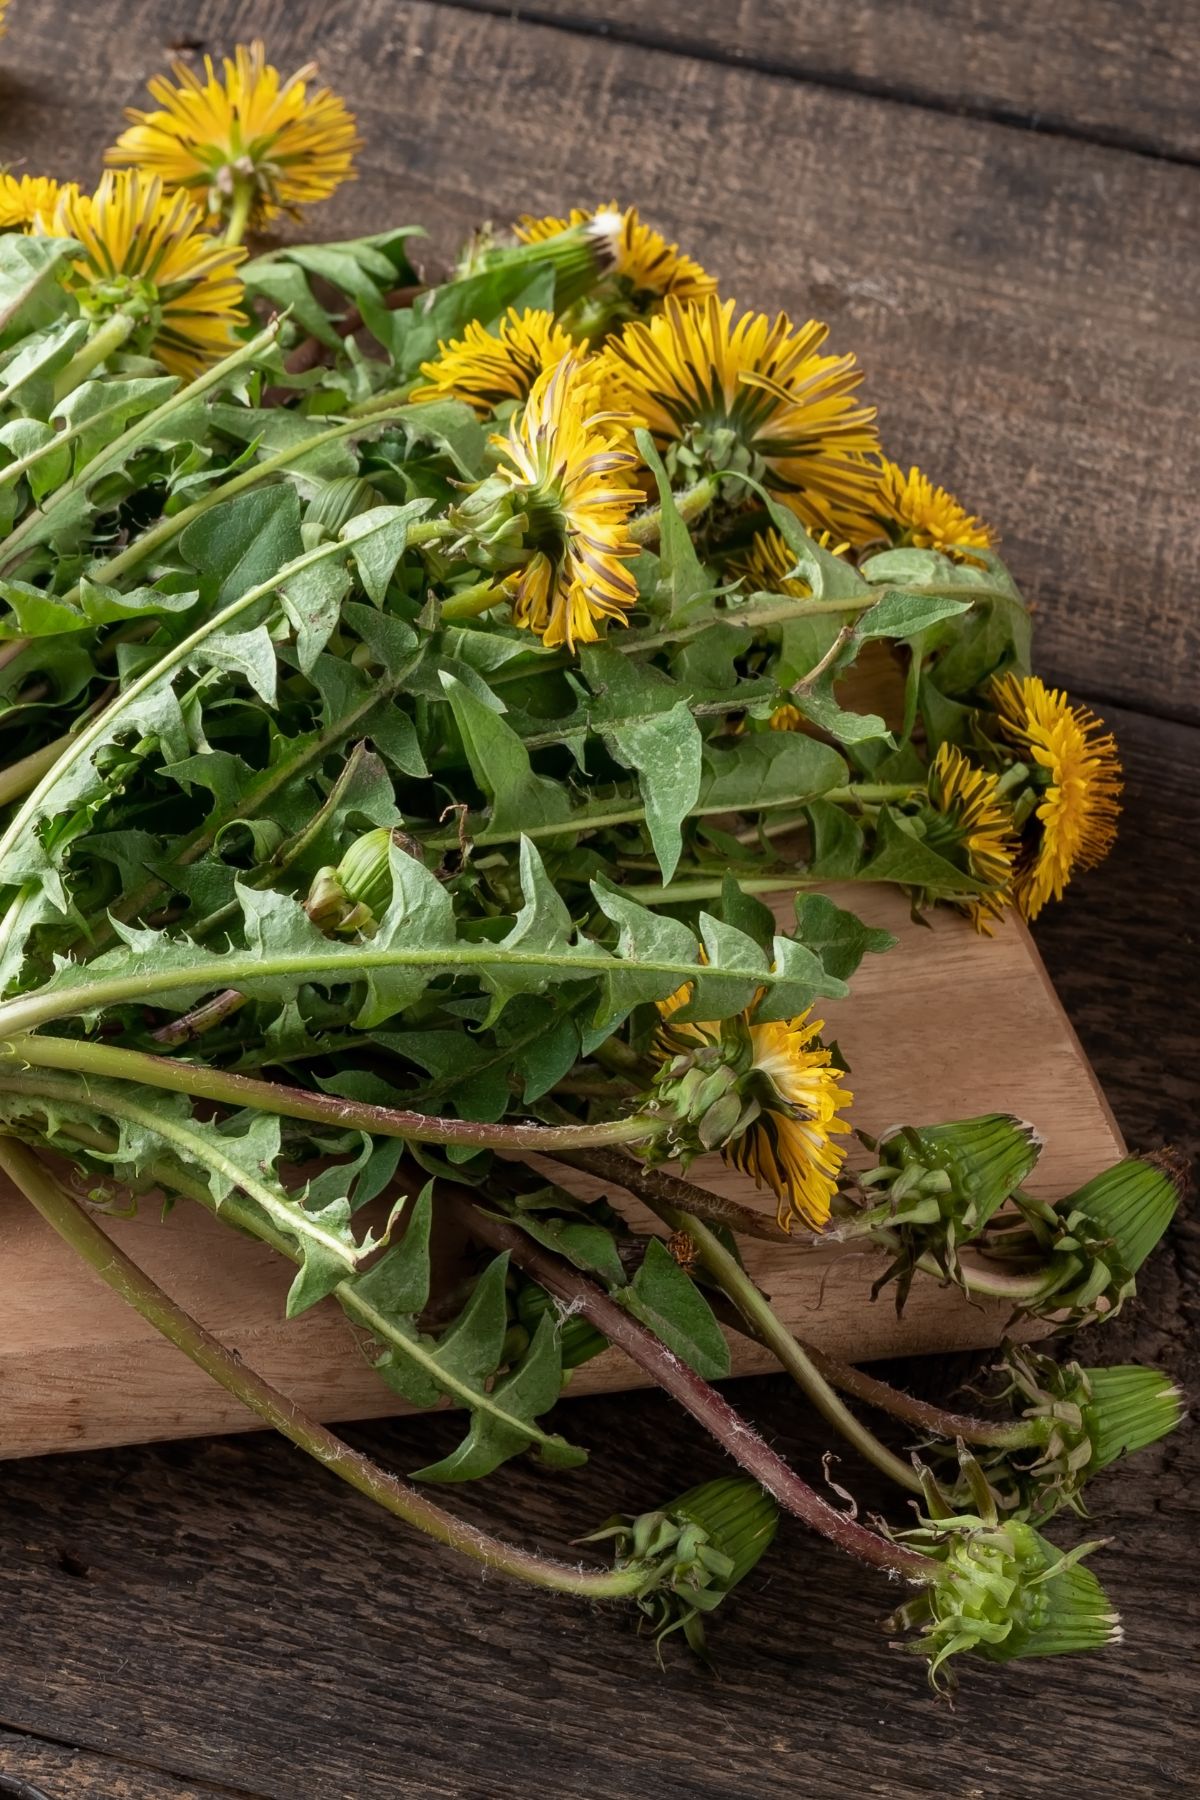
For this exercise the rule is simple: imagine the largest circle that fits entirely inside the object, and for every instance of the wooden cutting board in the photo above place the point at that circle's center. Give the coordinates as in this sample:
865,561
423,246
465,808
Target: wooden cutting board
944,1026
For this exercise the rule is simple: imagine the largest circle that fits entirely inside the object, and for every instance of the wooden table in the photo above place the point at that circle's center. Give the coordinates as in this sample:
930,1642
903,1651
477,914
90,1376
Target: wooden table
997,207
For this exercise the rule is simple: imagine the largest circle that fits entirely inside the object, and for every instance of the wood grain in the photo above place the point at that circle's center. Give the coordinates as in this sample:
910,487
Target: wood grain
58,1771
1023,304
1103,69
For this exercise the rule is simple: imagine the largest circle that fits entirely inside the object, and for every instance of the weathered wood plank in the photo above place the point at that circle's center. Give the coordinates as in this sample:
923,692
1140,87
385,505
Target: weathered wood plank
237,1619
1100,68
60,1772
1023,305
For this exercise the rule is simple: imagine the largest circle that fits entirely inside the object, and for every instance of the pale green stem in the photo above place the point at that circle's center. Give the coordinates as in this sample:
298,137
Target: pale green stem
80,1232
691,504
102,344
239,212
756,1310
756,615
204,1083
675,893
19,777
469,602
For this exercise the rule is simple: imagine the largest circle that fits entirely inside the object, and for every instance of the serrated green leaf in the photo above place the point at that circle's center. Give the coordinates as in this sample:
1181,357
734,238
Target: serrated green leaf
664,1298
839,938
667,752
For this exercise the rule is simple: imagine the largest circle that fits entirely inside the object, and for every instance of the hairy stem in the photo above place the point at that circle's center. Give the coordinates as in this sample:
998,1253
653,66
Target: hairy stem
922,1414
704,1403
758,1313
77,1229
204,1083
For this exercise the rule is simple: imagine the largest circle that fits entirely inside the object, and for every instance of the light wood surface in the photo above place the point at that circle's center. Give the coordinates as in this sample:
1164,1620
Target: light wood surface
945,1025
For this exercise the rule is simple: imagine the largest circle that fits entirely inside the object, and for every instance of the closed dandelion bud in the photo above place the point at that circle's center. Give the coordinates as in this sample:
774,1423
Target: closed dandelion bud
352,897
1004,1592
578,1341
693,1552
1099,1237
337,503
943,1183
1074,1422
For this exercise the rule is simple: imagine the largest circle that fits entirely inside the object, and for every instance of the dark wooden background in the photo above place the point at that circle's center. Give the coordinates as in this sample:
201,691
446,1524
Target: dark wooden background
996,205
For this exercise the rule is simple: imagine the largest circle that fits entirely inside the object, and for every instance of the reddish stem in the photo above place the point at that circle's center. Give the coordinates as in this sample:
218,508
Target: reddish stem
706,1405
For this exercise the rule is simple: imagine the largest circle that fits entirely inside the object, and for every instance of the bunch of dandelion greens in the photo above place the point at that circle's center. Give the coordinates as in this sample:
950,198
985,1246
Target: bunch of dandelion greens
407,693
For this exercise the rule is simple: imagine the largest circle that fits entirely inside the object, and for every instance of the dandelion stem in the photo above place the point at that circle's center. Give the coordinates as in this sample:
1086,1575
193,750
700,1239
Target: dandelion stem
697,1397
103,343
223,1085
690,504
77,1229
239,212
759,1315
471,601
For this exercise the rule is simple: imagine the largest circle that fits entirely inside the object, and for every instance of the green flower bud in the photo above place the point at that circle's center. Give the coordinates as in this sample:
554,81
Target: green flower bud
1004,1592
492,524
334,506
1098,1238
943,1184
578,1341
352,897
693,1552
1073,1422
707,1088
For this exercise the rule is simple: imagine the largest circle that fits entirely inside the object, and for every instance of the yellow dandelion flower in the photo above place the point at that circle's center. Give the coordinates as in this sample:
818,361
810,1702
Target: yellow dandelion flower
644,262
251,146
486,368
768,566
23,197
562,462
1077,760
927,517
144,256
789,1147
3,22
761,390
979,819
